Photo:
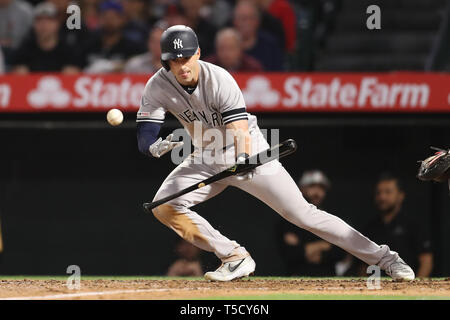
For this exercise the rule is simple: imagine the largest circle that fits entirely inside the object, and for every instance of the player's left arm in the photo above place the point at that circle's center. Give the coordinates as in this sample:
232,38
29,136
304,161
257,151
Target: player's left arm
242,139
234,113
242,145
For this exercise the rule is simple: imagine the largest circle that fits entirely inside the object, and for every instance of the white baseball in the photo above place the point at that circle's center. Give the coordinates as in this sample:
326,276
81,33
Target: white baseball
114,117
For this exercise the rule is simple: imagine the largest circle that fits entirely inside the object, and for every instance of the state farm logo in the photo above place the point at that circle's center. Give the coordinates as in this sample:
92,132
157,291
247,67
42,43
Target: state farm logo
260,92
86,92
49,92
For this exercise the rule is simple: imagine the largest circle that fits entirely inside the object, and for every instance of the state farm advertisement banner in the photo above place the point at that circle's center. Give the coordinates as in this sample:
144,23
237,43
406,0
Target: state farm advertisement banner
263,92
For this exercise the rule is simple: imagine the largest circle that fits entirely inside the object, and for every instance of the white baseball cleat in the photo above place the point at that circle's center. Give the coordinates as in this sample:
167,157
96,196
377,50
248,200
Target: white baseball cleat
232,270
399,271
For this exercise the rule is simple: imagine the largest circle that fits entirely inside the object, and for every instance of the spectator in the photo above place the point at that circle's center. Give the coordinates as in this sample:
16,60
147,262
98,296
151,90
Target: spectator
188,264
394,226
136,13
111,49
218,12
16,18
230,55
158,8
61,7
304,253
283,11
257,43
173,16
269,23
74,38
205,31
89,13
150,61
43,49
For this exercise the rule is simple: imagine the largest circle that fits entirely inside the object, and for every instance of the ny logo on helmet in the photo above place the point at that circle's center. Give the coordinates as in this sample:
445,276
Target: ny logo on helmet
177,44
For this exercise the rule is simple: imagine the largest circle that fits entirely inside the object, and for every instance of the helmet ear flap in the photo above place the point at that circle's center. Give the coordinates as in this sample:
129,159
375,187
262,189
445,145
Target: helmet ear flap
165,64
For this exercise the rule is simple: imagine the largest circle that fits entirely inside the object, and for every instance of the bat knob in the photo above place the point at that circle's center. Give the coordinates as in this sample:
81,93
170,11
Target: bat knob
292,144
147,207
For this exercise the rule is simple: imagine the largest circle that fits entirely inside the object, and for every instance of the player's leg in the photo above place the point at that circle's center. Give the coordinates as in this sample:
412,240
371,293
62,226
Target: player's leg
178,216
274,186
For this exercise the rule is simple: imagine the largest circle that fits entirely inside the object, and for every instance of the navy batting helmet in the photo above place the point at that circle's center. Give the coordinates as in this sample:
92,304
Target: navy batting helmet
177,42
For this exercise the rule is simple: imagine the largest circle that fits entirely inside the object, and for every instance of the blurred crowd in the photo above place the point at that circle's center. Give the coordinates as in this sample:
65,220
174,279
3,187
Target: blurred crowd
123,35
239,35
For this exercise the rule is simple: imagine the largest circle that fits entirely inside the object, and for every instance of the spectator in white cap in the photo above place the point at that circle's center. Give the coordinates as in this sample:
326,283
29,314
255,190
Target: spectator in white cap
314,186
304,253
42,50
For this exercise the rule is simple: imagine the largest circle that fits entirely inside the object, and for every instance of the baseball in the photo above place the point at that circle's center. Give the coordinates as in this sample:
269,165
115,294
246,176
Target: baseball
114,117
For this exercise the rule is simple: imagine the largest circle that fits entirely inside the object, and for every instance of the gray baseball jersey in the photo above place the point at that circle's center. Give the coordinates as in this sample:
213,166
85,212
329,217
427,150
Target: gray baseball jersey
216,101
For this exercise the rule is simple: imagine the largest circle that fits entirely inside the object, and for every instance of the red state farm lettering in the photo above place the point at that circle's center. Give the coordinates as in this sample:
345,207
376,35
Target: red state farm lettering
5,95
370,93
96,93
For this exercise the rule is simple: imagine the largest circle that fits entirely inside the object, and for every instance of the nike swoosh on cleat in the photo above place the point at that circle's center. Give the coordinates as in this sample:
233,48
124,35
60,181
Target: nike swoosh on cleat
232,269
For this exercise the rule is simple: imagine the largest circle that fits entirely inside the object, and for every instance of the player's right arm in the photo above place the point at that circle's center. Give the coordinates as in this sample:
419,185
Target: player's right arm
147,134
150,118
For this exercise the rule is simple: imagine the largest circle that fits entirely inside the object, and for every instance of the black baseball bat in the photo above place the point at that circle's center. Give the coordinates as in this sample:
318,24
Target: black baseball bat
280,150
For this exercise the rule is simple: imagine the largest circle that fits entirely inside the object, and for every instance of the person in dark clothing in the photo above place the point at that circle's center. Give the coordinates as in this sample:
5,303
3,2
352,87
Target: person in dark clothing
270,23
137,26
188,263
394,226
74,37
111,49
204,30
44,50
304,253
257,43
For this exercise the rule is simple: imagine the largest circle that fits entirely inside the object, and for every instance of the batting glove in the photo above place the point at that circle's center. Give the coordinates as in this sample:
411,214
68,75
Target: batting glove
161,147
248,175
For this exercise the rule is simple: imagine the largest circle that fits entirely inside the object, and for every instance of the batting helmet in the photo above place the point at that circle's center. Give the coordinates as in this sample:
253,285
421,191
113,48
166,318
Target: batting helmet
177,42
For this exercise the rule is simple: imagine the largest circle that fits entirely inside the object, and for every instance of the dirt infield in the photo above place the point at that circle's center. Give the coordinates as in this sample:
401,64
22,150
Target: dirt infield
199,289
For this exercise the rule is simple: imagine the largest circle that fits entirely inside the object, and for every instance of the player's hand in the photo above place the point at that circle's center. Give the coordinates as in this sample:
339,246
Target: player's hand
161,147
247,175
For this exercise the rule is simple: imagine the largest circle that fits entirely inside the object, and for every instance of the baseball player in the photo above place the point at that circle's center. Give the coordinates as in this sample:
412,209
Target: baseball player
202,94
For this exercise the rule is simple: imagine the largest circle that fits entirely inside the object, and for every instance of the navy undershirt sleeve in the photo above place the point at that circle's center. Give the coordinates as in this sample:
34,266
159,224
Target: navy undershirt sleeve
147,134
